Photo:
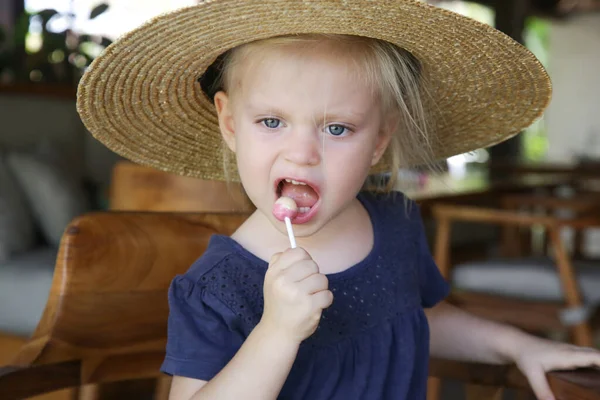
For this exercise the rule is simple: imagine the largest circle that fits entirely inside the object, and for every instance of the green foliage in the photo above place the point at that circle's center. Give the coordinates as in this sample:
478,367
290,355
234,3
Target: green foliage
537,39
60,57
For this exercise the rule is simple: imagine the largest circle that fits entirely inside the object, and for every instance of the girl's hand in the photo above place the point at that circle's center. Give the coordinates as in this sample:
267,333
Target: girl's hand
538,356
295,295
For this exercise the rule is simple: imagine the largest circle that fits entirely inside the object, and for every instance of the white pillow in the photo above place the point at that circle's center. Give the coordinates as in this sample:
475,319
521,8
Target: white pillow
17,228
54,196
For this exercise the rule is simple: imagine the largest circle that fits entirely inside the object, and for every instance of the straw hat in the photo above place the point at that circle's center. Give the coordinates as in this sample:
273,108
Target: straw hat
143,100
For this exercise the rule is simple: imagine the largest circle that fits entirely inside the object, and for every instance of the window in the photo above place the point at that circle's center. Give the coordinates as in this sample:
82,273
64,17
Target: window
536,36
122,15
476,11
62,37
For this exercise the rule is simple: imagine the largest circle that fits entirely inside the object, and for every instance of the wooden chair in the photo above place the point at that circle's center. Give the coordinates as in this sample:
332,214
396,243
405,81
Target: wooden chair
106,317
135,187
107,307
563,308
519,241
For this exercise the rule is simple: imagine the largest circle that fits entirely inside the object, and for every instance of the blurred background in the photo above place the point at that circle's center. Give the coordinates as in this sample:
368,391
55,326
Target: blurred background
52,171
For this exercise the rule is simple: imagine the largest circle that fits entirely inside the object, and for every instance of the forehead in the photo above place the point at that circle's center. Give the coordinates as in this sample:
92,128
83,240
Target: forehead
322,74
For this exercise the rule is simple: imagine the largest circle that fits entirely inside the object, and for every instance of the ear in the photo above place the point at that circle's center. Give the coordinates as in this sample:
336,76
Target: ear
383,138
224,112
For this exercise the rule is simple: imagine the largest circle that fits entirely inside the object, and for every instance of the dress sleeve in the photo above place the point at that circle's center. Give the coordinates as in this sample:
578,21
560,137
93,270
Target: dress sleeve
203,334
433,287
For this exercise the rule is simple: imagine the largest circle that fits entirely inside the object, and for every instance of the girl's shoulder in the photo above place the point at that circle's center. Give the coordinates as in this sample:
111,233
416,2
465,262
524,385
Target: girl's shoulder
221,262
224,277
210,261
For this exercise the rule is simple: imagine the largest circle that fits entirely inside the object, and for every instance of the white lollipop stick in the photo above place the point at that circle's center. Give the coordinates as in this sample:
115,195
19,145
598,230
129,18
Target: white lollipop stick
290,231
285,209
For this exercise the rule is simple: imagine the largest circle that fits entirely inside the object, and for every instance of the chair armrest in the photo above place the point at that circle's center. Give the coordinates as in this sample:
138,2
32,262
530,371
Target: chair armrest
508,217
581,203
24,382
581,384
489,215
580,223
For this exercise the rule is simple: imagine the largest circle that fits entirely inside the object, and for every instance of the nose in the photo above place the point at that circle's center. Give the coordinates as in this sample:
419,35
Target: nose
303,147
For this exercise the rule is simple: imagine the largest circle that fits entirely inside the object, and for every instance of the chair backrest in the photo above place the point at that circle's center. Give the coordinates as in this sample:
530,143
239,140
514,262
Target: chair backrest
108,300
138,188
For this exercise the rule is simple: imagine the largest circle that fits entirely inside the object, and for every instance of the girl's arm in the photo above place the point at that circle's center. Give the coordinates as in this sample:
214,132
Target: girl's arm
258,371
458,335
295,294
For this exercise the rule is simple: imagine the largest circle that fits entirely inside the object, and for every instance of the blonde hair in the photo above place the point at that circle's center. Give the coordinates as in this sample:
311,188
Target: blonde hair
394,72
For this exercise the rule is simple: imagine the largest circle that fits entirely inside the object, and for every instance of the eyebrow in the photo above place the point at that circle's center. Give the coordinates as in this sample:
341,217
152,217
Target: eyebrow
266,109
345,114
328,115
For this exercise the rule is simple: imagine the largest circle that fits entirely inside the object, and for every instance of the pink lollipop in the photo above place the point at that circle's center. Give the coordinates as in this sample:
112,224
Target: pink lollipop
285,209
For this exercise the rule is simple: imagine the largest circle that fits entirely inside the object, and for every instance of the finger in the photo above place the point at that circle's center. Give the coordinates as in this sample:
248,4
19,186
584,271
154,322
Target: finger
584,359
300,270
539,384
579,357
290,257
322,299
274,259
314,283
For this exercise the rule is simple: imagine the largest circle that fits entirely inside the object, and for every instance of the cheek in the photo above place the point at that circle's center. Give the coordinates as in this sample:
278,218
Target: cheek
249,162
244,142
252,158
350,171
250,172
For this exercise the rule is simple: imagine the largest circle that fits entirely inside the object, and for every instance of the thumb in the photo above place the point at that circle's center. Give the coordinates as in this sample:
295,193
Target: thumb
539,384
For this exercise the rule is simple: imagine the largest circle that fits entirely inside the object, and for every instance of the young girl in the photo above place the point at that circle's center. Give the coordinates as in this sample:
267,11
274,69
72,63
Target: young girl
312,98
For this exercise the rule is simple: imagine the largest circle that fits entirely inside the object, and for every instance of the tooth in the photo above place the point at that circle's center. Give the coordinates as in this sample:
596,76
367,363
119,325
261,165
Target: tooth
288,180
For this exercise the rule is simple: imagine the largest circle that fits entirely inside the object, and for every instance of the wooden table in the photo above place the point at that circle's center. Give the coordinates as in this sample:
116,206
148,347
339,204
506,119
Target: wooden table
444,185
135,187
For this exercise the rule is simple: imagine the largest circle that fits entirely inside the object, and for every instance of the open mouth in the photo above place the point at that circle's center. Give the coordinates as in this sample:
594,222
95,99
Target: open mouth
305,194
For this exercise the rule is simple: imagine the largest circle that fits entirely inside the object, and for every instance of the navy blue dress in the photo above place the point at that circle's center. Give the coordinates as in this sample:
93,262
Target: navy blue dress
372,343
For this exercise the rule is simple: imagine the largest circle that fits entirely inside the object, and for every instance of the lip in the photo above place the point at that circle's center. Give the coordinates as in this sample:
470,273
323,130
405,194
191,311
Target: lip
306,217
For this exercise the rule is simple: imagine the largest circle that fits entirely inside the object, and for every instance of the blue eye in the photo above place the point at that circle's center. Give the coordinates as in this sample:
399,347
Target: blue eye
336,130
271,123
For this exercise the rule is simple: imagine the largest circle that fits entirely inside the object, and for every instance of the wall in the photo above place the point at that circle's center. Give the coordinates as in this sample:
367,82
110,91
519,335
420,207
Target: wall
573,118
29,120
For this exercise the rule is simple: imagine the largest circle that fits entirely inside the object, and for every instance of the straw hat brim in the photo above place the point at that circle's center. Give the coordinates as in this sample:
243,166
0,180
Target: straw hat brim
142,98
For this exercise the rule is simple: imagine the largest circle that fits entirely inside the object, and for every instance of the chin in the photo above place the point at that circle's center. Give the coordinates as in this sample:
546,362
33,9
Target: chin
305,229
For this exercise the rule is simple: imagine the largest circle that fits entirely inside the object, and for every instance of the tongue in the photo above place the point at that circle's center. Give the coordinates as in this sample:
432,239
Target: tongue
303,195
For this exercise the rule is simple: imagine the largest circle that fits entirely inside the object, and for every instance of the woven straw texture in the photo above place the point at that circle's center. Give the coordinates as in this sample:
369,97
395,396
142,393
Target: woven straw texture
142,99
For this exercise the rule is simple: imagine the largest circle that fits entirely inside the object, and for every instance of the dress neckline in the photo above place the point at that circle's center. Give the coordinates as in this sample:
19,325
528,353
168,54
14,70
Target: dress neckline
367,201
